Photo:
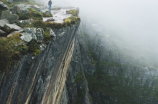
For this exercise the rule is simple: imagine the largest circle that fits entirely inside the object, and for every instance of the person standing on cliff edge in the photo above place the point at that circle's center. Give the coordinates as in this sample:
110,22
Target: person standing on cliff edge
50,4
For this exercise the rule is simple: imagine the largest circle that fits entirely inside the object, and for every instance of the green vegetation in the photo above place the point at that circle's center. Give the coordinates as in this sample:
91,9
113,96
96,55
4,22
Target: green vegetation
71,19
47,15
37,51
11,49
33,14
80,90
79,77
74,12
80,95
117,86
33,46
53,25
11,4
127,90
47,36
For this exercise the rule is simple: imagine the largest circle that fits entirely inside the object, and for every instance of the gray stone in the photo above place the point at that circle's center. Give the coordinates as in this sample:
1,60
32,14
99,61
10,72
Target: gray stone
3,22
42,47
2,33
51,32
26,37
40,34
3,6
49,20
11,27
33,34
20,9
61,34
12,18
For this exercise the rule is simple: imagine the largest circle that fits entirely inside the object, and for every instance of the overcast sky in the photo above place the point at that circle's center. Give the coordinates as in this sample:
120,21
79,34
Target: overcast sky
135,21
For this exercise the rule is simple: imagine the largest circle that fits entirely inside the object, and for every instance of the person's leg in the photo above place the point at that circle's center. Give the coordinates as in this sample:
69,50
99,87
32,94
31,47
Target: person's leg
50,7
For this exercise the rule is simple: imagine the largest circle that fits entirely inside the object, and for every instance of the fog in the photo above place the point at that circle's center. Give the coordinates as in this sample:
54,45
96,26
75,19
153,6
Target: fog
133,22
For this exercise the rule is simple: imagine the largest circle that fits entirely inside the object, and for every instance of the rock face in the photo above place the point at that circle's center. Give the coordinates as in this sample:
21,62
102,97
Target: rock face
33,33
52,33
40,79
12,18
109,76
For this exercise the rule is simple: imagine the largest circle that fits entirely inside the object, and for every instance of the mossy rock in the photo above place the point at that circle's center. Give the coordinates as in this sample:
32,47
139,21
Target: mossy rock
35,14
31,14
47,15
11,49
74,12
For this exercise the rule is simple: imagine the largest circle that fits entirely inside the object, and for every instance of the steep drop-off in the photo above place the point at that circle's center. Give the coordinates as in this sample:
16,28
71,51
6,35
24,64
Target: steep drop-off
40,79
101,74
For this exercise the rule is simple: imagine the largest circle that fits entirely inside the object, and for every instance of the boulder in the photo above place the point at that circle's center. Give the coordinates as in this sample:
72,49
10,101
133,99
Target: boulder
12,18
3,22
13,33
47,12
33,34
20,9
52,33
49,20
37,8
26,37
11,27
3,6
2,33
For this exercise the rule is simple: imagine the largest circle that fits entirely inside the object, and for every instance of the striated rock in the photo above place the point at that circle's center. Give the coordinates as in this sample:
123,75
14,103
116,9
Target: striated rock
33,33
11,27
52,33
3,6
12,18
3,33
20,9
39,34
